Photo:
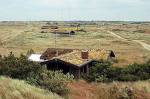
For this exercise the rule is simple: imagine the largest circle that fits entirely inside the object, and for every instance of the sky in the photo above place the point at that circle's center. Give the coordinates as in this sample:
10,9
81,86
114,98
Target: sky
73,10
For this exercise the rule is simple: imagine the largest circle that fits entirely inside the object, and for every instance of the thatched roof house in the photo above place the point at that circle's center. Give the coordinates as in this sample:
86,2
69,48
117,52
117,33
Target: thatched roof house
75,62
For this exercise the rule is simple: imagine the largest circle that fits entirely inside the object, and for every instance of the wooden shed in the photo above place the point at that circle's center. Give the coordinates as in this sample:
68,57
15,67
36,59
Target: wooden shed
75,62
63,32
49,27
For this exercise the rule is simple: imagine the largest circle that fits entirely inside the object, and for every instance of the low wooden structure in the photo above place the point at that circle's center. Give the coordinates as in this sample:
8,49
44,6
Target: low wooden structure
77,71
49,27
60,32
75,62
63,32
56,29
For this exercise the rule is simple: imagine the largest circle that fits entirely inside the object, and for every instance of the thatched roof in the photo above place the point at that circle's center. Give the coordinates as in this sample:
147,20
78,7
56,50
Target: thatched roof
74,56
51,52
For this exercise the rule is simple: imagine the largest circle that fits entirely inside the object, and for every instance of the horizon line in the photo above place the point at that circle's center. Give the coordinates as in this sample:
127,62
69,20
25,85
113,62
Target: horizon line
74,21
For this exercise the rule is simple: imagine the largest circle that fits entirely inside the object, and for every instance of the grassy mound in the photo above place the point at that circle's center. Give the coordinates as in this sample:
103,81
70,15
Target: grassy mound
17,89
115,90
124,90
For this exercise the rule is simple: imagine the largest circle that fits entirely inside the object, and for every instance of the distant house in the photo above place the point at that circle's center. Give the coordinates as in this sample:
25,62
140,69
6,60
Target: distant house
56,29
76,62
62,32
49,27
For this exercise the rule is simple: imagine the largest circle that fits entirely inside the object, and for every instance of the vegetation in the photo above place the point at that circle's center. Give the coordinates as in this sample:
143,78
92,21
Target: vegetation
18,89
105,72
54,81
139,31
113,90
18,67
19,38
123,90
34,73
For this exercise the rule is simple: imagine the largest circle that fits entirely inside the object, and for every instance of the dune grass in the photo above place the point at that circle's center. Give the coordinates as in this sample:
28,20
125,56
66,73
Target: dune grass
115,90
17,89
123,90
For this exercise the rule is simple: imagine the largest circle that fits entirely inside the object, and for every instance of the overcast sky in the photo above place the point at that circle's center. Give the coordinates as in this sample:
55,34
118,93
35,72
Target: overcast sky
34,10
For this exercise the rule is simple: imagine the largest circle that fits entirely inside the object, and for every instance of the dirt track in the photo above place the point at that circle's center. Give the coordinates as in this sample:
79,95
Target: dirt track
112,33
145,46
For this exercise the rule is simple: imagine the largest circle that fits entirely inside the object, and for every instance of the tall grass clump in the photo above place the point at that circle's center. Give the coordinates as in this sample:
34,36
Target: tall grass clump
18,89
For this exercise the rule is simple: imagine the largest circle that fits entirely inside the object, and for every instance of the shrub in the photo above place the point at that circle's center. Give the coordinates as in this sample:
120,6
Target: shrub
54,81
99,71
114,73
34,73
103,72
127,77
18,67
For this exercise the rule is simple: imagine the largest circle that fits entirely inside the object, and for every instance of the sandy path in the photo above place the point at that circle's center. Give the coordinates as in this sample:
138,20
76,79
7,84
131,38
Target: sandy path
112,33
145,46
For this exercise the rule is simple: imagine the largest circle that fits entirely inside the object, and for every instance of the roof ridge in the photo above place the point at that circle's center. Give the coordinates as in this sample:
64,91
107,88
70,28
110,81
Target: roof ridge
63,55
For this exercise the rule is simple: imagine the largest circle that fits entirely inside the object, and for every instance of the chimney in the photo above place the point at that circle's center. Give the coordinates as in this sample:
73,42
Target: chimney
85,54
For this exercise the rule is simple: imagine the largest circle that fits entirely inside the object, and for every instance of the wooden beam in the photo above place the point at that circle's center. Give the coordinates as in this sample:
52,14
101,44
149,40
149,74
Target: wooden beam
79,73
87,70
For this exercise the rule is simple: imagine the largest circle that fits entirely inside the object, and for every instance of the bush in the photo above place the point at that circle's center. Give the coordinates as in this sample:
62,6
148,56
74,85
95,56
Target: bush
34,73
127,77
54,81
99,71
18,67
104,72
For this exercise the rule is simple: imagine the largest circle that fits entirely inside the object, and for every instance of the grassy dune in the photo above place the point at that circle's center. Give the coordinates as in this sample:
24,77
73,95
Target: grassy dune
17,89
124,90
115,90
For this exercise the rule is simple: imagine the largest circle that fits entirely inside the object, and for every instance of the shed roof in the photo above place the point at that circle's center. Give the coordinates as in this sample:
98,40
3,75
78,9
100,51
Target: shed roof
51,52
76,59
